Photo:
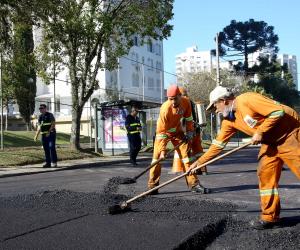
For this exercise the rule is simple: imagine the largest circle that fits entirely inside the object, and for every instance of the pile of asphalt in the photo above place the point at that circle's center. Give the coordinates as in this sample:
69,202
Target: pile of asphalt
153,223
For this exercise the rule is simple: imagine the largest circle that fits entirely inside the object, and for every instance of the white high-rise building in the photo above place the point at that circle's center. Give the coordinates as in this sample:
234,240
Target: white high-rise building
193,60
289,60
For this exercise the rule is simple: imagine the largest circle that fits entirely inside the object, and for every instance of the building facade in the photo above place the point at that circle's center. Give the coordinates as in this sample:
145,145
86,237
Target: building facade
289,60
193,60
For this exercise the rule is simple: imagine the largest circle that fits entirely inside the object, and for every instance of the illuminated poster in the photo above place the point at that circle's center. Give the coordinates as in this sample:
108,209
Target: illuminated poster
116,138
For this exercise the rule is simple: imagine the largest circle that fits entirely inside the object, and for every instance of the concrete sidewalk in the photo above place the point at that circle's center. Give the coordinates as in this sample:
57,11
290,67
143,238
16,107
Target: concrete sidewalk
70,164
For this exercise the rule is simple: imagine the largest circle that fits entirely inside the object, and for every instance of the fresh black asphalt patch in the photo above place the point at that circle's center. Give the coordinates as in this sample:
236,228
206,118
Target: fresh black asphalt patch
72,220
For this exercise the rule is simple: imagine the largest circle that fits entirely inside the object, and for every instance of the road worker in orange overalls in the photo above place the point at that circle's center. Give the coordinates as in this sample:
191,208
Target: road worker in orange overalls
195,144
275,126
169,129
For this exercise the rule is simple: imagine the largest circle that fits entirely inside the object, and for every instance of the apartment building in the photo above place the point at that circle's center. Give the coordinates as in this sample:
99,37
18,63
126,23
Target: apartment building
193,60
289,60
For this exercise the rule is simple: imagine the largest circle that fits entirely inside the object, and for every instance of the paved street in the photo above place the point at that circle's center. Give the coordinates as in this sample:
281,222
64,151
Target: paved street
68,209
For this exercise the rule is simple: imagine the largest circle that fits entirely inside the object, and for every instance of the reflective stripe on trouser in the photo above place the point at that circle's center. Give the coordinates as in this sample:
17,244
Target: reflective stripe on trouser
155,172
269,171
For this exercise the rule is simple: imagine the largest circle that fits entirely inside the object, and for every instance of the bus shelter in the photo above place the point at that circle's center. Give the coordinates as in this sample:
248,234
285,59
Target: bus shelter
111,134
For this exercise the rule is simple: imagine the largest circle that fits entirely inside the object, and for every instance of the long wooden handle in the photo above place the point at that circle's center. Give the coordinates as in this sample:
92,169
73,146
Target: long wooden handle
186,173
158,161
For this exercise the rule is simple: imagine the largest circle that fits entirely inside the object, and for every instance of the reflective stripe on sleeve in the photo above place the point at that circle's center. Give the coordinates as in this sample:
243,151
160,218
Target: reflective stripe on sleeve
134,132
161,136
219,144
172,130
188,119
45,124
134,124
269,192
276,114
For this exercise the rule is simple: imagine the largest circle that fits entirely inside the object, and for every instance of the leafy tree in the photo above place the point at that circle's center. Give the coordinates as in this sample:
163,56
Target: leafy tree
239,39
23,70
8,90
200,84
17,46
92,34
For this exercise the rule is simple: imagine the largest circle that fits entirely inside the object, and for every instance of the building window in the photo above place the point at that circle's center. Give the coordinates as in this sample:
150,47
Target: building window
158,49
150,83
136,41
150,46
158,84
158,67
135,80
150,64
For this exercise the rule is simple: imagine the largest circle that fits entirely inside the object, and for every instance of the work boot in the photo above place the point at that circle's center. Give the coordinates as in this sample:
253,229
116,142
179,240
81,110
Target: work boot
200,189
54,165
154,192
47,165
133,163
261,224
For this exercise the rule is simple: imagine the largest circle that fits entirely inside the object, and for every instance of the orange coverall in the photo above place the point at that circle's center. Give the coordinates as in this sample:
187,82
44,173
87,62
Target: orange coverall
169,129
195,144
280,128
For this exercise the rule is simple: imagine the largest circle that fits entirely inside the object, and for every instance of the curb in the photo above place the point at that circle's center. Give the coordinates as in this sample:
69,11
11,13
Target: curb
71,167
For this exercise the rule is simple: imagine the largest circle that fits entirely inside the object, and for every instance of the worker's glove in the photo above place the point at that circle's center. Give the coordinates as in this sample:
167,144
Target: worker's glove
188,136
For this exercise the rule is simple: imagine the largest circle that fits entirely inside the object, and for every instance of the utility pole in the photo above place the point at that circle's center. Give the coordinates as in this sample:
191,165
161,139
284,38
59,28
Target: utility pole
143,80
218,59
218,120
1,102
161,87
54,90
118,80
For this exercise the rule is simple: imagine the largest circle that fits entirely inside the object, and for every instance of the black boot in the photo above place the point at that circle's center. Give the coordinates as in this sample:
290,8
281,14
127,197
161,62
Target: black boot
200,189
261,224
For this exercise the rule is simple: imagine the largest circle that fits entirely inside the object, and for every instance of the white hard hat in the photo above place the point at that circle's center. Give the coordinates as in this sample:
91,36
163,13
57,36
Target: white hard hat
218,93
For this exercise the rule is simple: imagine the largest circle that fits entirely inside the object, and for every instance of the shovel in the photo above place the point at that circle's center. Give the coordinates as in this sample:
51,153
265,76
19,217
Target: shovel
133,180
125,205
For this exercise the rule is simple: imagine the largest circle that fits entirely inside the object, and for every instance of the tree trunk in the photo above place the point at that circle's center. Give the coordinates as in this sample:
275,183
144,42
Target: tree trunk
246,64
75,130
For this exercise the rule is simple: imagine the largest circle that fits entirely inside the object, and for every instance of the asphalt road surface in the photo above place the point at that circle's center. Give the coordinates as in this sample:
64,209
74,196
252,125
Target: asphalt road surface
68,210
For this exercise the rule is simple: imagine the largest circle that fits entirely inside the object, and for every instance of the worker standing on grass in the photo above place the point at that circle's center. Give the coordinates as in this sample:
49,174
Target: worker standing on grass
275,126
133,127
169,129
46,127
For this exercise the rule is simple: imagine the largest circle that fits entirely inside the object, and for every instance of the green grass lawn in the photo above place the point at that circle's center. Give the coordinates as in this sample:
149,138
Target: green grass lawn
25,139
21,149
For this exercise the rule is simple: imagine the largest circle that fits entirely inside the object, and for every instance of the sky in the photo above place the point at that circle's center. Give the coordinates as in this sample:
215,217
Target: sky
196,22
